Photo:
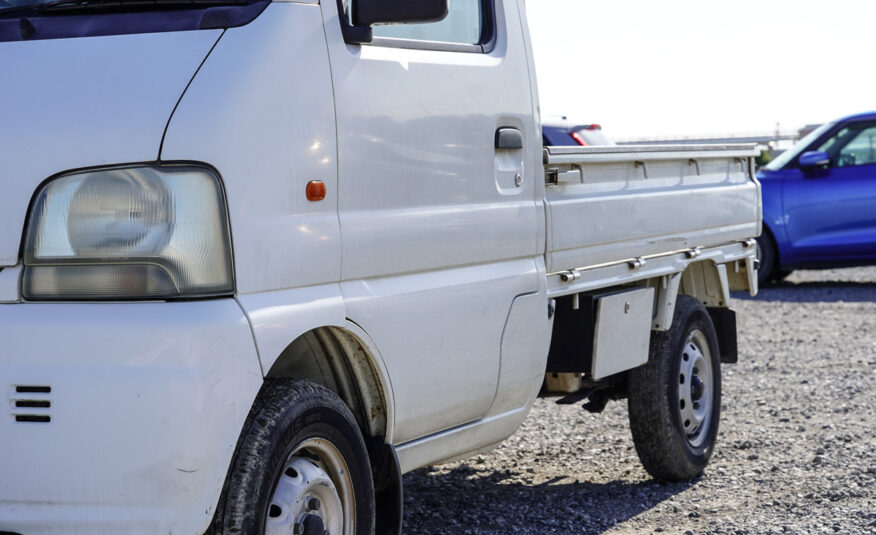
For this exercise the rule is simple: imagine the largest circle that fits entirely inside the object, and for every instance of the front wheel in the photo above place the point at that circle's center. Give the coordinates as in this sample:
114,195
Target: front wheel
301,467
675,399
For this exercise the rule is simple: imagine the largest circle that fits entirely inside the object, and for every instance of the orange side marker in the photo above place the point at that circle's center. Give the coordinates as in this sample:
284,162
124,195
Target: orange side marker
315,190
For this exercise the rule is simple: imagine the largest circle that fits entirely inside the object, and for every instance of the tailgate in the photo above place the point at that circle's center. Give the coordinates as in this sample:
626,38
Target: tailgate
610,204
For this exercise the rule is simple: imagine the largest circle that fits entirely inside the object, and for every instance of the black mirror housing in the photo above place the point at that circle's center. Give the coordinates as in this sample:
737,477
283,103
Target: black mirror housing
368,12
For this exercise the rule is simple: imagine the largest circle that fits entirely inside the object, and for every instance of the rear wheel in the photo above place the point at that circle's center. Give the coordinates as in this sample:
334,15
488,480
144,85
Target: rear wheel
301,467
675,399
766,256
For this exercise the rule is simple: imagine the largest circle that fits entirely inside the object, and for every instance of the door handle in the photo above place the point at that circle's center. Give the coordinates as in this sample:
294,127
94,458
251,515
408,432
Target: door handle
509,138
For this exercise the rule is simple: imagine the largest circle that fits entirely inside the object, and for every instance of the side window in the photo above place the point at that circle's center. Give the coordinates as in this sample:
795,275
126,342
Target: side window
852,146
830,145
463,25
861,150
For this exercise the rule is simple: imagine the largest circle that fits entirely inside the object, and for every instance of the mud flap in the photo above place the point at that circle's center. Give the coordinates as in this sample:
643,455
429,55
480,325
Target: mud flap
724,320
388,487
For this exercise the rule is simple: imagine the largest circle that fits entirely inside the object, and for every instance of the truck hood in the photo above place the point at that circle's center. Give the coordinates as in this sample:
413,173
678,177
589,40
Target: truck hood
73,103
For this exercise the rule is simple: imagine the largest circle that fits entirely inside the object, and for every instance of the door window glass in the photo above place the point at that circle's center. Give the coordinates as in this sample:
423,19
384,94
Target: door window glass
831,143
463,25
852,146
861,150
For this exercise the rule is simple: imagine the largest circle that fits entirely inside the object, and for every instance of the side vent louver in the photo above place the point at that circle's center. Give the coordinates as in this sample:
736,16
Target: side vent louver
31,404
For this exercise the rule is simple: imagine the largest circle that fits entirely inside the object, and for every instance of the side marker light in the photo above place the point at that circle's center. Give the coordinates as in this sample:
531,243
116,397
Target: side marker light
315,190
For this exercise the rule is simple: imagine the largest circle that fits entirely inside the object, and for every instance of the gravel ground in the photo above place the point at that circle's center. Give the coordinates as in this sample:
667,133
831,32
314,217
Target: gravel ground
796,450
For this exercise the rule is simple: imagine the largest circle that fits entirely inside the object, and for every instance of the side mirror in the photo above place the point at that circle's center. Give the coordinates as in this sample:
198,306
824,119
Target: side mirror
368,12
812,159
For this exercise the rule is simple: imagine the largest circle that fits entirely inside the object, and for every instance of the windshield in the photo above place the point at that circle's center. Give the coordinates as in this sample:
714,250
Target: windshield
785,157
21,3
13,7
33,20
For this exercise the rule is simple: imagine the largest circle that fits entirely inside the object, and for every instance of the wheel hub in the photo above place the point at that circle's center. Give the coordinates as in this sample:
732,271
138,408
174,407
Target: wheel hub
306,499
695,388
310,525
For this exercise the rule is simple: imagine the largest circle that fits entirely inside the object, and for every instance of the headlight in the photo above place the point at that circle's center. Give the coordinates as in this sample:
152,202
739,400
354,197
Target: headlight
129,233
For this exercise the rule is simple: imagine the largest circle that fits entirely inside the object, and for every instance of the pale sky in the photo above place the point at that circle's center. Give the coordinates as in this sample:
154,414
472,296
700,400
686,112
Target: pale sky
676,68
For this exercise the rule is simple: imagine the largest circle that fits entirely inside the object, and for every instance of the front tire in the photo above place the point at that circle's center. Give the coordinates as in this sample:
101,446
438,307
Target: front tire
675,399
301,467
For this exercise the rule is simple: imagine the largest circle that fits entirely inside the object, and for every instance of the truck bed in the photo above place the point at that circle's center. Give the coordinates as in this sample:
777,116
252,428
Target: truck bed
613,209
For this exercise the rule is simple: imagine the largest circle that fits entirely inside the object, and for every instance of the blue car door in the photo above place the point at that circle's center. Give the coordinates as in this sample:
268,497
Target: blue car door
831,211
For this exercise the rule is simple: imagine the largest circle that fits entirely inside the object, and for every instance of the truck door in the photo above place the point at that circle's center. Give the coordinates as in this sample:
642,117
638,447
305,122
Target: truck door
439,227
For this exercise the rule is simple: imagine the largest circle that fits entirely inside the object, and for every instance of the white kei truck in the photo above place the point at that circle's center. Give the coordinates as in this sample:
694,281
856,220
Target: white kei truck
258,259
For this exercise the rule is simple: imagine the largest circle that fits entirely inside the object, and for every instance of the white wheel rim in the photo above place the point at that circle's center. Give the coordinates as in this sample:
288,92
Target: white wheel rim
696,389
313,494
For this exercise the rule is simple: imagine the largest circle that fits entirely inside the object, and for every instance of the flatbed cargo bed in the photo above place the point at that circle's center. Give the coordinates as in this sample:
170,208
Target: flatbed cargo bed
623,213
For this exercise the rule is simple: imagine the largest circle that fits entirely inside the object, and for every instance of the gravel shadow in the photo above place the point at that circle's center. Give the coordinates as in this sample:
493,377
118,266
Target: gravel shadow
469,500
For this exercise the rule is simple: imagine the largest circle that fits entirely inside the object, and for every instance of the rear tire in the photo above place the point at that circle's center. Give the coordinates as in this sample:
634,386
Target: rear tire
766,256
300,466
675,399
781,274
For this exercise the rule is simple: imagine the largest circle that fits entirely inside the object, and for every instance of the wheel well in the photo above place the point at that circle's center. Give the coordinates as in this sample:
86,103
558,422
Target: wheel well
338,360
707,282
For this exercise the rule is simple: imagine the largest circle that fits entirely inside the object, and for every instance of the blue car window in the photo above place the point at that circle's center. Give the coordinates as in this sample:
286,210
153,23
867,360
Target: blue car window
834,141
852,146
784,158
861,150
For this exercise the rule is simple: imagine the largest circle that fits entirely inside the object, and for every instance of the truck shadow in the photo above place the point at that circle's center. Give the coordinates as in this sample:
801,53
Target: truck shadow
469,500
815,292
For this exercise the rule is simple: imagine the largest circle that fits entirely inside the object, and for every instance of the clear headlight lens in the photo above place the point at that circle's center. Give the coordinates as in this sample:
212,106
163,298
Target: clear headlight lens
129,233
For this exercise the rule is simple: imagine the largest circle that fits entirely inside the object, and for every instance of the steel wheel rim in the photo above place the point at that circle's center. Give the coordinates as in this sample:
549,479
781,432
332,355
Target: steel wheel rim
696,388
313,493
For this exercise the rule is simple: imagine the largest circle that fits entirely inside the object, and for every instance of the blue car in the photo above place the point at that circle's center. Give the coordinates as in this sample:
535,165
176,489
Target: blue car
819,201
561,132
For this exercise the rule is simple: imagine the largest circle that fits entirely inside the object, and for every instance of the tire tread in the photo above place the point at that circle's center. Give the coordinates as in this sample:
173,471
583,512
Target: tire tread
659,444
255,449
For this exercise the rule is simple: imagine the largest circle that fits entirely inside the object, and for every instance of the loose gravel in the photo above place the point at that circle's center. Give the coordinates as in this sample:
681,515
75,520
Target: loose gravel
796,450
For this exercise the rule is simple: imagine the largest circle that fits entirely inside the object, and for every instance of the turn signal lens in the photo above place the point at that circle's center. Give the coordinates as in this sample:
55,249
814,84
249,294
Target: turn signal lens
315,190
